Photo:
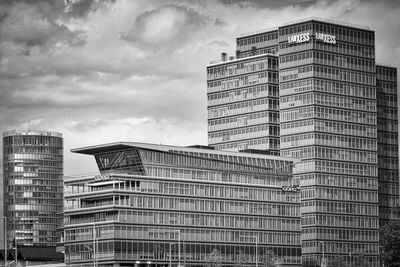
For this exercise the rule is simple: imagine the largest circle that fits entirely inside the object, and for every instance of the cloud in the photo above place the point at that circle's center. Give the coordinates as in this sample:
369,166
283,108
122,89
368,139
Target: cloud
164,26
81,8
270,4
219,22
34,25
219,43
104,71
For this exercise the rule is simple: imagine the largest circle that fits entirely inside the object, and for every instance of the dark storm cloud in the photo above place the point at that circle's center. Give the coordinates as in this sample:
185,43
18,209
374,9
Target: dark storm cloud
27,24
80,8
164,26
271,4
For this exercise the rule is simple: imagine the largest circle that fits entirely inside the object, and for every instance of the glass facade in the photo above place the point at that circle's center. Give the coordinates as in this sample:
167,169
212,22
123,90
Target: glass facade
388,155
331,91
338,114
243,110
33,186
156,204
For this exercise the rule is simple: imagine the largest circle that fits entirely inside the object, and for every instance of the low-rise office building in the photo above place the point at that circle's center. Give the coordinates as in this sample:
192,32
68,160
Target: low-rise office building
167,205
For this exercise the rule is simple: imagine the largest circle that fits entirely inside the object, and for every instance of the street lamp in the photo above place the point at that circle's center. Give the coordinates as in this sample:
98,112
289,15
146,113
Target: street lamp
351,264
94,244
179,247
170,254
5,240
256,238
323,263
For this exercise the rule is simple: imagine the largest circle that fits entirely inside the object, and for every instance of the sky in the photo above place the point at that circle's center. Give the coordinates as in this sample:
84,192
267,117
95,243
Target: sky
123,70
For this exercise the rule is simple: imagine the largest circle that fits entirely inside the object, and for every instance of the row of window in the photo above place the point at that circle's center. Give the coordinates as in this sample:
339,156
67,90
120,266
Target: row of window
389,163
330,59
211,160
386,150
342,194
240,121
188,220
214,160
189,252
243,107
328,140
32,188
241,81
328,114
387,125
262,37
331,100
334,87
190,235
328,73
340,234
250,65
388,113
209,190
385,99
21,140
244,133
259,143
46,151
328,127
339,48
333,154
267,90
343,247
333,180
388,188
386,87
345,221
388,138
150,202
339,207
41,181
386,74
333,167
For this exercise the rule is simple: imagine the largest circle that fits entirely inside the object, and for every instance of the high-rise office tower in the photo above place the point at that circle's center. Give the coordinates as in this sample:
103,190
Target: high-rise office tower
33,186
338,113
388,156
329,119
243,110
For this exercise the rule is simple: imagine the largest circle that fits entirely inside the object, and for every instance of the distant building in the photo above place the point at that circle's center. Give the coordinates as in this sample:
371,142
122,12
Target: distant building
2,207
33,256
33,187
337,113
156,204
388,144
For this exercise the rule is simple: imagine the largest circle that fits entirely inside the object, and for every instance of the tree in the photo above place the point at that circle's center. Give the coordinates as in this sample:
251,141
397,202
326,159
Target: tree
390,244
339,261
269,259
214,259
241,259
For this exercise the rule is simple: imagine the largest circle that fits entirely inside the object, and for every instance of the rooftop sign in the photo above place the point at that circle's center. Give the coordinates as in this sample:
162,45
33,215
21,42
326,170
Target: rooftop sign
305,37
326,38
299,38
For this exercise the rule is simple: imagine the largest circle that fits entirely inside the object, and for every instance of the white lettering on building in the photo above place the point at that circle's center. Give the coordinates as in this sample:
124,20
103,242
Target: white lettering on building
291,188
326,38
300,38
